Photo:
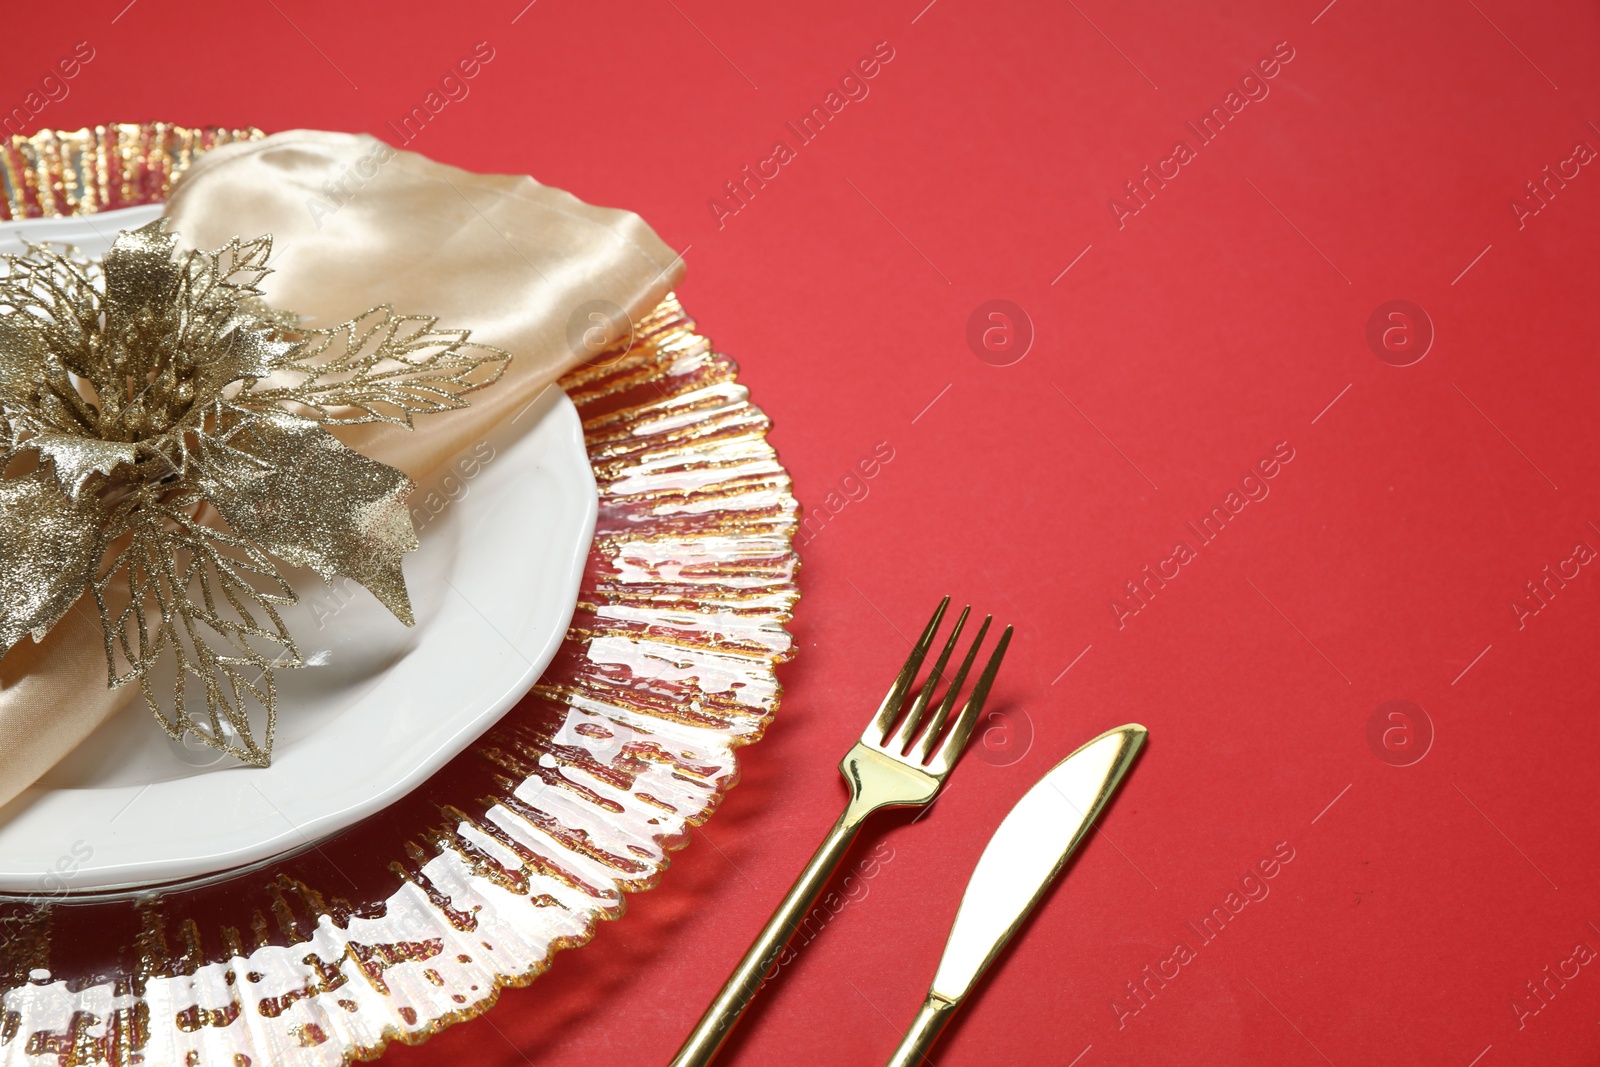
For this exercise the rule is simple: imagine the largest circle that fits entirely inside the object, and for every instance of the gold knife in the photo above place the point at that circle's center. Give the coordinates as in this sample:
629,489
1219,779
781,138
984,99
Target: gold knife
1017,866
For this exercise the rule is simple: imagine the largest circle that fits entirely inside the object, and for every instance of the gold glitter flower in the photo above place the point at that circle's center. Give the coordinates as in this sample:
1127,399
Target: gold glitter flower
163,445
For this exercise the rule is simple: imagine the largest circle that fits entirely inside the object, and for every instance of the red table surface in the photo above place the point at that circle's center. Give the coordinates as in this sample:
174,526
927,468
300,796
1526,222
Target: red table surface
1223,322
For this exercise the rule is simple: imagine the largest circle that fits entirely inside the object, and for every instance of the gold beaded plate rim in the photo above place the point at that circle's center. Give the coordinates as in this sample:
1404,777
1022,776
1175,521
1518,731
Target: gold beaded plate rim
414,919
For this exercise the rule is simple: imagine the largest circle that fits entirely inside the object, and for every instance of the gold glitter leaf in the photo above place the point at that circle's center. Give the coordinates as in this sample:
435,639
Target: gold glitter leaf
297,491
49,546
50,309
183,590
381,367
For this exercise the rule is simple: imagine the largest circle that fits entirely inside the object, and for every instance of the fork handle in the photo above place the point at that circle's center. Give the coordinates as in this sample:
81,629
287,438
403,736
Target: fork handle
747,979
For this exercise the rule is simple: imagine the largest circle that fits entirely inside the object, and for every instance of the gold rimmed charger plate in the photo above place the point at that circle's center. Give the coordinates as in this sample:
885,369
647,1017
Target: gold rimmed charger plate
415,918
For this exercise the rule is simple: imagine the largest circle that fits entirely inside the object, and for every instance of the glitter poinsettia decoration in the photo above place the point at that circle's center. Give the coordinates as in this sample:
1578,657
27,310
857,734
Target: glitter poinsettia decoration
164,447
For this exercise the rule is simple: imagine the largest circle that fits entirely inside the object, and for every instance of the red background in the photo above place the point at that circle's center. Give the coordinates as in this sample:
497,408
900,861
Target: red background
1220,320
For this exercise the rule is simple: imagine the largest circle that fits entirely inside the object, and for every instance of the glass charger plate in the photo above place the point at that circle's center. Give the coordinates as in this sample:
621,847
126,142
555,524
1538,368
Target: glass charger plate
415,918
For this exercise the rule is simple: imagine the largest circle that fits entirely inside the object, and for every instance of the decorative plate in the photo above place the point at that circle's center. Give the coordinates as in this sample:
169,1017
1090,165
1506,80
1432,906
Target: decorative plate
414,918
505,529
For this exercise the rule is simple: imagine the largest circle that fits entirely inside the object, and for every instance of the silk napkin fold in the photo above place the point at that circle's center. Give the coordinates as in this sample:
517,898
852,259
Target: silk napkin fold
355,224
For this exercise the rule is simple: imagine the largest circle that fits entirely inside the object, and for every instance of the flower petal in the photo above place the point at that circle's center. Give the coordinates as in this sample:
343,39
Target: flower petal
49,546
242,349
297,491
24,345
76,459
142,282
140,269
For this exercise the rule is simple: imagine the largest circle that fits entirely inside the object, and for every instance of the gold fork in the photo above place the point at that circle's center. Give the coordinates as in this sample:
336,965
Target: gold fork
901,769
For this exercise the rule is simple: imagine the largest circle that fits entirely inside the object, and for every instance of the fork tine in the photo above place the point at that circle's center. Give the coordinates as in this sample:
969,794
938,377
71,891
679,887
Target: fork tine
942,712
878,728
956,739
908,726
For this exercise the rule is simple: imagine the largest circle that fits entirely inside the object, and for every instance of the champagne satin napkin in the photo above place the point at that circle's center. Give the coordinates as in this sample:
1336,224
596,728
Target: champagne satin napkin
356,224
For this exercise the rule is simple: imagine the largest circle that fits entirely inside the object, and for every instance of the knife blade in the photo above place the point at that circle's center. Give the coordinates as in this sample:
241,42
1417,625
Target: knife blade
1017,866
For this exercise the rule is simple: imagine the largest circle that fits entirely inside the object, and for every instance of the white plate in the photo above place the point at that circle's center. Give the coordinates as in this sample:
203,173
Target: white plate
380,708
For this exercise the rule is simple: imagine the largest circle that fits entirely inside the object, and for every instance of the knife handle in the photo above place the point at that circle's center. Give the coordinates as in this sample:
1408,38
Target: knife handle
925,1030
723,1015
